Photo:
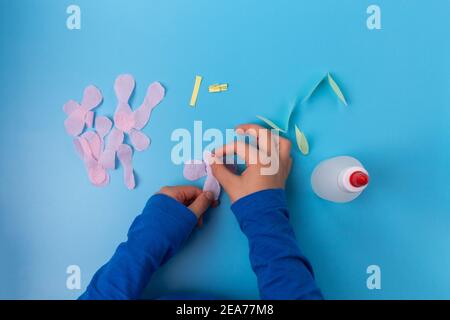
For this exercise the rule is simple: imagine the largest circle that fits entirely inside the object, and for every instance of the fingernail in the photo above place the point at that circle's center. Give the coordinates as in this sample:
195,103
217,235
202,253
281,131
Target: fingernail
209,195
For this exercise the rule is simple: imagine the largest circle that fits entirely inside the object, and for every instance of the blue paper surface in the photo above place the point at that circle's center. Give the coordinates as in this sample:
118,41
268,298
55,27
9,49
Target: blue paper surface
396,81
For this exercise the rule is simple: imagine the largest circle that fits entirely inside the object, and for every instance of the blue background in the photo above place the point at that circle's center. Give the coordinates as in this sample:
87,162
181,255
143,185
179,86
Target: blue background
396,81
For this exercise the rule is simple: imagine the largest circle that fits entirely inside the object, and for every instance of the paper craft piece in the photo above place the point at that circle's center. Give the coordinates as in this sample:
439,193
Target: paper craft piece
211,183
86,147
80,115
218,87
271,124
125,154
313,89
103,125
95,143
302,143
90,147
336,89
108,157
196,169
198,81
131,122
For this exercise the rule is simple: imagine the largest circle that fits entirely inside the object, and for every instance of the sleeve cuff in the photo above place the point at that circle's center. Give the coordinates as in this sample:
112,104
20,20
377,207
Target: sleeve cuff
260,201
172,207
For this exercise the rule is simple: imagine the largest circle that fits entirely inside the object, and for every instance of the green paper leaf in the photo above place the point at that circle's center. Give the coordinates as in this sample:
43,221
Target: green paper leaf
310,93
270,124
336,89
302,143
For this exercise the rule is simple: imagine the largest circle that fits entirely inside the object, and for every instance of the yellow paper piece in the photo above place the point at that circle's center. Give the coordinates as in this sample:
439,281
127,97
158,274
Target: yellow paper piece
336,89
218,87
270,124
198,81
302,143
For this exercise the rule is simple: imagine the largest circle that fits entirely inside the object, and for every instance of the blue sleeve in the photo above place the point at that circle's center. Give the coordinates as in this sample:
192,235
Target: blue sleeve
154,237
281,269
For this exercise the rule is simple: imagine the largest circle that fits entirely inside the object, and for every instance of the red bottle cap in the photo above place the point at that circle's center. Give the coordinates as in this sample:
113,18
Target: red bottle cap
359,179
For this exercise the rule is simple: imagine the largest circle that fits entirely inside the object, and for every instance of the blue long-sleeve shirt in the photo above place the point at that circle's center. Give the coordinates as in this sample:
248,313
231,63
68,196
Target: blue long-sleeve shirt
165,224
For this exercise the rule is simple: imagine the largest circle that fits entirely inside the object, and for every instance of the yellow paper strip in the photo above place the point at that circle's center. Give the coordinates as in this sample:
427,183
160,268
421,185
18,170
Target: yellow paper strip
198,81
218,87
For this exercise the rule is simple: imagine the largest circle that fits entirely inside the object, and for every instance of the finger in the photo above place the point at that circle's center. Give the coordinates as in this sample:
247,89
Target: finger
263,136
201,203
243,150
182,194
225,177
285,148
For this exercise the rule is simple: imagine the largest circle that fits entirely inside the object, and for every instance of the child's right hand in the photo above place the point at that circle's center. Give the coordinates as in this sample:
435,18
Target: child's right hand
252,179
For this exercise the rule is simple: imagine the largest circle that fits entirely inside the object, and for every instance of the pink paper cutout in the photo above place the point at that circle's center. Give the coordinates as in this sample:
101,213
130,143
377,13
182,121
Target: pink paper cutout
98,148
155,94
103,125
90,146
81,115
95,143
139,140
196,169
108,157
212,185
84,146
131,122
125,153
89,119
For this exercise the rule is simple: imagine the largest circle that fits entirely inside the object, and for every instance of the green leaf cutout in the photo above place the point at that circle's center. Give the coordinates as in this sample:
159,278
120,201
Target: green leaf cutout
336,89
302,143
310,93
270,124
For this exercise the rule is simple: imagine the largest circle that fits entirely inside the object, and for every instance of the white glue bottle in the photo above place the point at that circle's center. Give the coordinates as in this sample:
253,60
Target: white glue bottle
339,179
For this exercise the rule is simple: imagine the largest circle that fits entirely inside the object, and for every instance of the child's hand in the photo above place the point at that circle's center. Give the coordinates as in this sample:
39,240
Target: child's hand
192,197
252,179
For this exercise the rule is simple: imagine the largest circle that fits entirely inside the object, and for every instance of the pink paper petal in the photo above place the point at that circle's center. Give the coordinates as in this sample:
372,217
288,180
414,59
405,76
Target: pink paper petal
194,170
89,119
124,153
95,143
115,139
82,147
74,123
70,106
139,140
155,93
211,184
91,98
97,174
104,183
102,125
124,87
124,120
108,157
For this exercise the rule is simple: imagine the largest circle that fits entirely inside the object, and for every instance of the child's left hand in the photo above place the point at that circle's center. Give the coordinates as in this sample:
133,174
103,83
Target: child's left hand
197,200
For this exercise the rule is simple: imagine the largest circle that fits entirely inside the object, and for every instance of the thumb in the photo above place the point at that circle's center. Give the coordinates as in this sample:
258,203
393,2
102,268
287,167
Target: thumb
201,203
225,177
